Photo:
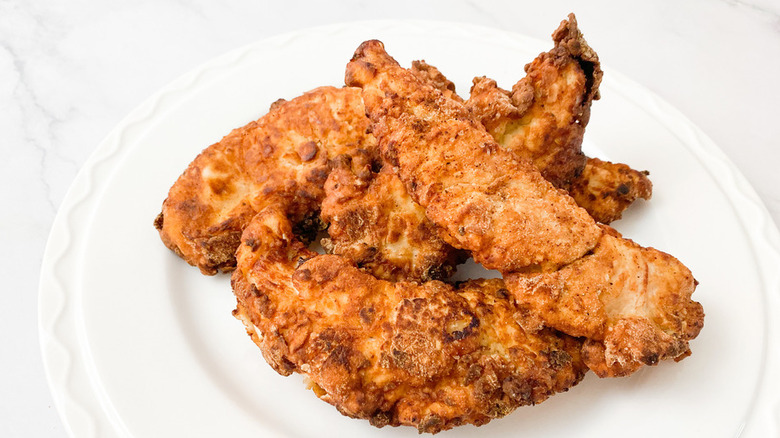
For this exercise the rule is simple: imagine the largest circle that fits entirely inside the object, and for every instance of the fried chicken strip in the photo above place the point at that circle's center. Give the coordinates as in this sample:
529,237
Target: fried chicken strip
632,303
484,198
602,188
396,353
543,119
285,154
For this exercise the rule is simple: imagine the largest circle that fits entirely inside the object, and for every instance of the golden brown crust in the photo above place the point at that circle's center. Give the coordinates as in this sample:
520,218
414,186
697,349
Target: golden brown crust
433,76
606,189
426,353
632,303
213,200
375,223
375,338
209,205
285,155
396,353
487,201
543,118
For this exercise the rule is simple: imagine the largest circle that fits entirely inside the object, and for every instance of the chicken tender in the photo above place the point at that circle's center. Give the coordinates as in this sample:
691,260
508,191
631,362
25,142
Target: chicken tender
633,304
483,197
602,188
543,119
427,355
285,154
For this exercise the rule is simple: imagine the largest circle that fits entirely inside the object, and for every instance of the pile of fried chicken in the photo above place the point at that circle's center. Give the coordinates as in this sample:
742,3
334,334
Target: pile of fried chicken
410,180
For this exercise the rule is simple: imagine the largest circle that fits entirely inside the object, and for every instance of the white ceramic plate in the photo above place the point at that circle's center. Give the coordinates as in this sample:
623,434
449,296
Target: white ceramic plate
137,343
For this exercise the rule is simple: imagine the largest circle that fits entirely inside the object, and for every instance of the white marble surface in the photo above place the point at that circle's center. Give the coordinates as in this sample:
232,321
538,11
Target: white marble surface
69,71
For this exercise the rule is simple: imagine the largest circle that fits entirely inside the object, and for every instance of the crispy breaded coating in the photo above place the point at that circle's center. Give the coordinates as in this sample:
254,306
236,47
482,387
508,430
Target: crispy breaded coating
427,355
225,185
370,326
485,199
543,118
622,297
375,223
433,76
602,188
285,154
606,189
632,303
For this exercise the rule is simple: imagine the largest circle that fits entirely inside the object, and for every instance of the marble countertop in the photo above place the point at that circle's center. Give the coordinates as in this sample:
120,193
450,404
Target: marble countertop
70,71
